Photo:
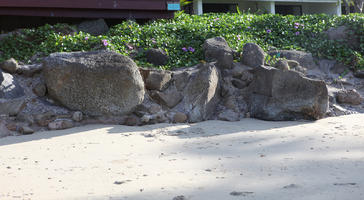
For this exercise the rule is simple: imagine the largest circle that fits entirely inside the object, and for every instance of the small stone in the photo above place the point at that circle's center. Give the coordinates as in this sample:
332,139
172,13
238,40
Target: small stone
157,57
25,130
12,106
10,66
157,80
181,197
132,121
44,119
349,97
60,124
77,116
40,89
253,55
180,118
12,126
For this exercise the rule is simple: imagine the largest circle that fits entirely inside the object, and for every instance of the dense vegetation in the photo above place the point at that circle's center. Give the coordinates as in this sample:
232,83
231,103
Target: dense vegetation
183,36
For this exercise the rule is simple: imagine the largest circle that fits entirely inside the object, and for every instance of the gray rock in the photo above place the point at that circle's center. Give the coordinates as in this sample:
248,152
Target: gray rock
286,95
294,65
1,77
202,93
11,106
239,83
359,74
40,89
304,59
170,97
11,66
43,119
228,115
94,27
349,97
156,56
180,117
217,49
241,71
253,55
95,83
10,88
29,70
282,65
132,121
77,116
342,34
26,130
60,124
156,79
3,130
181,78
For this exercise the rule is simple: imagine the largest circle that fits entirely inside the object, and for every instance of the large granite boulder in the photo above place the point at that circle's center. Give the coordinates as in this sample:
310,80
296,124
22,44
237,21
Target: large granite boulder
286,95
253,55
9,87
201,95
217,49
305,59
96,83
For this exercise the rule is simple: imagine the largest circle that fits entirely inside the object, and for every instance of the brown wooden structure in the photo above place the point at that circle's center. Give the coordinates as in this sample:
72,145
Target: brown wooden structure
112,9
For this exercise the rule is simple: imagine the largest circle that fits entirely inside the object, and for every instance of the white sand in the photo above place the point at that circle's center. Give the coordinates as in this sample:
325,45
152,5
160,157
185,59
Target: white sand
210,160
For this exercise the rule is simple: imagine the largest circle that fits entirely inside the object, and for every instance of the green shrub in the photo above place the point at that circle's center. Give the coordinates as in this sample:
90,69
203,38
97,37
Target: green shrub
190,31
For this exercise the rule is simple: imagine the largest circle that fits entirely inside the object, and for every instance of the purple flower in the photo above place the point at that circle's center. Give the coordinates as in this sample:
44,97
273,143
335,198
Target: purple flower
269,31
105,42
191,49
216,19
184,49
297,33
248,27
296,24
295,27
86,38
129,47
153,41
238,36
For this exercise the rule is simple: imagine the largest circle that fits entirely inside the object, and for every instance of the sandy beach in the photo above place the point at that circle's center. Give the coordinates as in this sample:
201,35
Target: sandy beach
212,160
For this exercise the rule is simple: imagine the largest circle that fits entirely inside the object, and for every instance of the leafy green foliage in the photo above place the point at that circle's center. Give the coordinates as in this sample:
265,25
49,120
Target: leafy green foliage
185,32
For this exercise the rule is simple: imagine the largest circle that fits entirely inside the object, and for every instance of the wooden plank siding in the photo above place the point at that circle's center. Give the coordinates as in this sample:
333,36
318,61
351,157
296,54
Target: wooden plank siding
138,9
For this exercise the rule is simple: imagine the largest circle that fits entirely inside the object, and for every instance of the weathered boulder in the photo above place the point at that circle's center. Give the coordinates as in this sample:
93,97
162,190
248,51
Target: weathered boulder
77,116
286,95
94,27
170,97
343,34
156,56
303,58
228,115
331,66
349,97
96,83
156,79
29,70
202,93
253,55
11,106
217,49
11,66
10,88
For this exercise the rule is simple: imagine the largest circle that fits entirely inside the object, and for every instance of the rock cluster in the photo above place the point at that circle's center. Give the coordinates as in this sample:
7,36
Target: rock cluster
72,89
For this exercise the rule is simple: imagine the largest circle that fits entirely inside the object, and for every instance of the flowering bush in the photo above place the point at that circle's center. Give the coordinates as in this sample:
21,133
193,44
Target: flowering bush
183,36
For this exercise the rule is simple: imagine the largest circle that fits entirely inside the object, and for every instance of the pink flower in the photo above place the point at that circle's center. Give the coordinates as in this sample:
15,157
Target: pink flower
297,33
129,47
295,27
238,36
153,41
86,38
184,49
296,24
105,42
216,19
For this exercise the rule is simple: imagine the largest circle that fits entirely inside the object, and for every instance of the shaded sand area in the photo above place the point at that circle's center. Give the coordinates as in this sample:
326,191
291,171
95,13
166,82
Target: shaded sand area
250,159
